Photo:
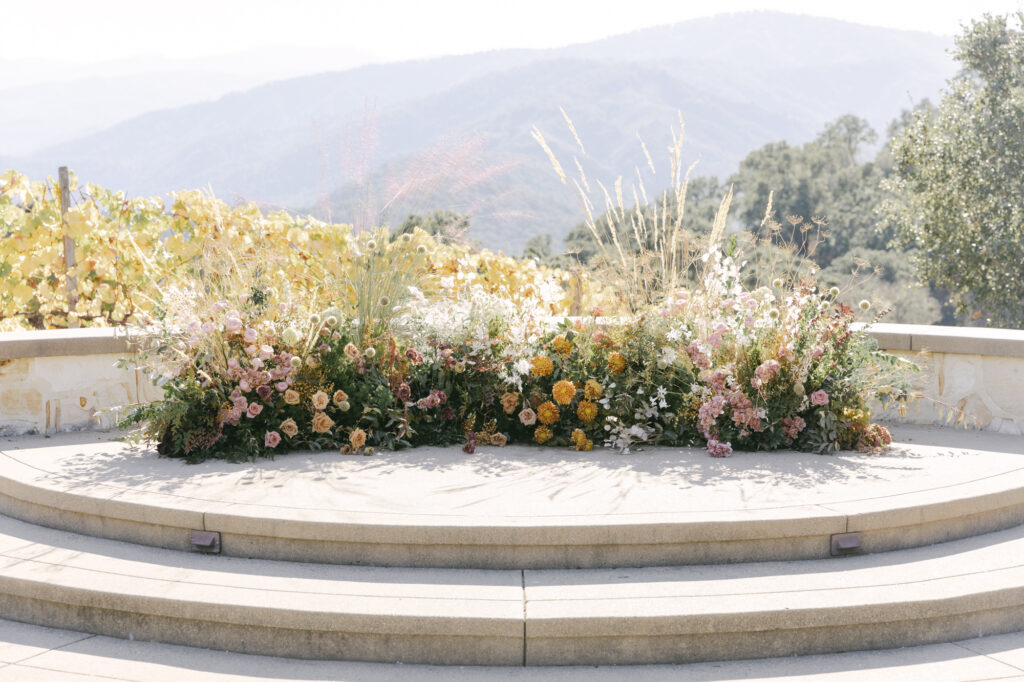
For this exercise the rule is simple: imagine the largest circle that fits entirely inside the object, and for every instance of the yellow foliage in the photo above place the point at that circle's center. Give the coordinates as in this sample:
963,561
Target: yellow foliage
131,252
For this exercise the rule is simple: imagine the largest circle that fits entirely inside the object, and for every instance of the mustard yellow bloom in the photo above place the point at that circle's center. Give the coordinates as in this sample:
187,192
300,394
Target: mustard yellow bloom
586,411
547,413
616,362
542,435
562,345
509,402
592,390
541,366
564,391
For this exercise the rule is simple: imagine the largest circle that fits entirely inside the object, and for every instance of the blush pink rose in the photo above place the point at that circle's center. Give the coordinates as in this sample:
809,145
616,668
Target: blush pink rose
272,439
819,397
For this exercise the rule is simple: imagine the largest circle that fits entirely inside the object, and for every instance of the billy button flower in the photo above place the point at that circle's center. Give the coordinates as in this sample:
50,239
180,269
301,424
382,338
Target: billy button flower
541,366
542,435
616,362
564,391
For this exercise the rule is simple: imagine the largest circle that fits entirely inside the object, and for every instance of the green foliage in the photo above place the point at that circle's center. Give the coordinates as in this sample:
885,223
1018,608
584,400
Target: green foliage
959,177
824,196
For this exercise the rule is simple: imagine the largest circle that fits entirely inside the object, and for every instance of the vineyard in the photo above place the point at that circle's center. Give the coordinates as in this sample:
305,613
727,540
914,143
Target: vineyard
130,252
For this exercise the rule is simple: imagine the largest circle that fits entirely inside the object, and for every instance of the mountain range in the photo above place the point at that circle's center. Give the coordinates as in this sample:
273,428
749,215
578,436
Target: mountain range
372,144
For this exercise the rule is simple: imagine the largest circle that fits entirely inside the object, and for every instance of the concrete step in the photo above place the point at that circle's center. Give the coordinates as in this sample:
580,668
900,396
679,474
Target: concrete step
524,508
31,652
956,590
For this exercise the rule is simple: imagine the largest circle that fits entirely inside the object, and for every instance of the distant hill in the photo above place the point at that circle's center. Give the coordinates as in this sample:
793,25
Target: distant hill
375,143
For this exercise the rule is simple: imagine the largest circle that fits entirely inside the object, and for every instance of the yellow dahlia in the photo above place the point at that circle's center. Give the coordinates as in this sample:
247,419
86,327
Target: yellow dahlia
616,362
586,411
564,391
547,413
541,366
542,435
562,345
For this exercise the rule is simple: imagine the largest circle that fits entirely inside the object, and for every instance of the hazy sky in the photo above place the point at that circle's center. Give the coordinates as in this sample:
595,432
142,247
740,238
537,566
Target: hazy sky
84,32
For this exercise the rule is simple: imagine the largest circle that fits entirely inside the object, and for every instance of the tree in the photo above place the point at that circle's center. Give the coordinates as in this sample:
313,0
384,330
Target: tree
823,195
957,190
445,226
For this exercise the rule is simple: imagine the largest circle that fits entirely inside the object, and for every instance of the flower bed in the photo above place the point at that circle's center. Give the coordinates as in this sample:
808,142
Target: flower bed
712,364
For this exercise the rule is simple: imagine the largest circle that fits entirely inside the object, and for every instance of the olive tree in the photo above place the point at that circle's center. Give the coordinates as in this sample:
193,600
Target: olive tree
957,188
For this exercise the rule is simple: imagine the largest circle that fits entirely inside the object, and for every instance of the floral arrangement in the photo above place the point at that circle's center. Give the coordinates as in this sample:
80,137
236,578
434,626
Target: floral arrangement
713,363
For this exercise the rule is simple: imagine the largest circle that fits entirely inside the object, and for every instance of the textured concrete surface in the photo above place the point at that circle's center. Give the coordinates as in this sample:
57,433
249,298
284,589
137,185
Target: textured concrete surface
522,507
29,652
679,614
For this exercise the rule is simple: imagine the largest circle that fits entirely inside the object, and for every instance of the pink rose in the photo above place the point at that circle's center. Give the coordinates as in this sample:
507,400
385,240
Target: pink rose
233,324
819,397
528,417
272,439
254,410
250,335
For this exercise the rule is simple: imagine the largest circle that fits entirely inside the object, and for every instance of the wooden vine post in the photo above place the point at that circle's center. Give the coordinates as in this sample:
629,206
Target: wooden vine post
70,281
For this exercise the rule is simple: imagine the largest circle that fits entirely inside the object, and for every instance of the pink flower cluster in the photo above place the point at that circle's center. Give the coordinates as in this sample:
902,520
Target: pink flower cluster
719,449
792,426
765,372
743,412
435,399
709,412
698,356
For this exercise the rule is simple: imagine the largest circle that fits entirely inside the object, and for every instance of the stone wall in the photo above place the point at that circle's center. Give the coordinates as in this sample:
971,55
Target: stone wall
66,380
973,372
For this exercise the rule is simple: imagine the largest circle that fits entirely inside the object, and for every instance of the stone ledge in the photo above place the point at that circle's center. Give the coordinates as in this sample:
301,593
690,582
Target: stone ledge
895,337
58,342
962,340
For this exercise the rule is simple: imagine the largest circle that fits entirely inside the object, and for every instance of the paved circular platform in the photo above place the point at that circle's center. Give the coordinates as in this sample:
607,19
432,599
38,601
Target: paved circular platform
520,507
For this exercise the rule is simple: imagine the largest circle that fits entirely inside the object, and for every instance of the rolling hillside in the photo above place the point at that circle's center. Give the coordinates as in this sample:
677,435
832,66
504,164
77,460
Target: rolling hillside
375,143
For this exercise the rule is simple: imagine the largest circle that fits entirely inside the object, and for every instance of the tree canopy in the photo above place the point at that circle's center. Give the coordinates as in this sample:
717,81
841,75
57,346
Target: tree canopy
957,190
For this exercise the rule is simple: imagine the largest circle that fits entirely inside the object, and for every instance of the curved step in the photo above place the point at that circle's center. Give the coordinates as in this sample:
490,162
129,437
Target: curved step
524,507
30,652
940,593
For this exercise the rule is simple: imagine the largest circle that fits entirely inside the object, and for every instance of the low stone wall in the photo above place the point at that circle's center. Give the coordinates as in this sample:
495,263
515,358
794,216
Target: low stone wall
65,380
974,372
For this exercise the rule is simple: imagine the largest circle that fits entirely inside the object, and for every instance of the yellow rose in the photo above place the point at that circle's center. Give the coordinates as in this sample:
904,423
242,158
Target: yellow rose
289,427
322,423
319,400
339,397
499,439
291,397
509,402
357,438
